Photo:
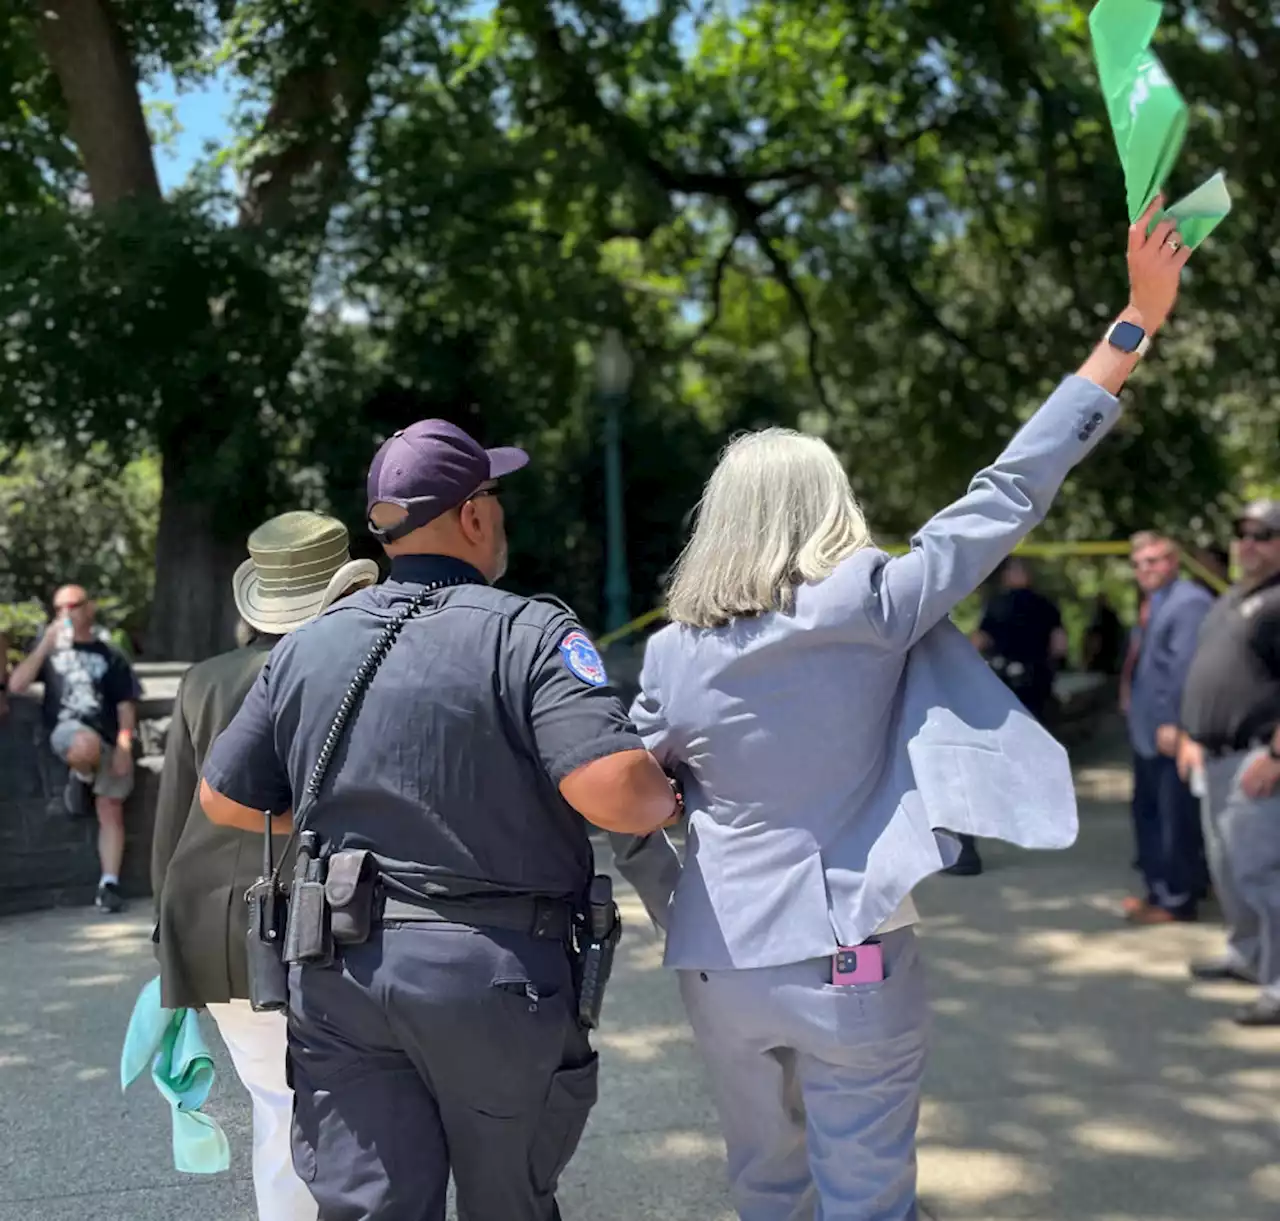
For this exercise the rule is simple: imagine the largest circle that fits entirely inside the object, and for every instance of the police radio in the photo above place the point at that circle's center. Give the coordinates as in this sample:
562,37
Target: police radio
268,977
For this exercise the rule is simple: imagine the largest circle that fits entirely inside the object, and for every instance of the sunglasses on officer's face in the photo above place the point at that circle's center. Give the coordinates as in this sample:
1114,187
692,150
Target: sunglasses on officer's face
1255,534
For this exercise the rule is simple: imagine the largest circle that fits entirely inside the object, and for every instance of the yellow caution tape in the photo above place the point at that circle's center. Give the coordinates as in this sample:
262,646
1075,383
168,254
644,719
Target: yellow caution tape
1033,550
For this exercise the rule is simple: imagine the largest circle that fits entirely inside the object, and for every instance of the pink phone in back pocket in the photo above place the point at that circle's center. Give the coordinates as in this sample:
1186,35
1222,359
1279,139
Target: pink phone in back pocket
858,964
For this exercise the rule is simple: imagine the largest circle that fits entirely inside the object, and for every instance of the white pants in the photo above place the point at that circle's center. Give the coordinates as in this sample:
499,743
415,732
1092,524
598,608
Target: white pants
257,1043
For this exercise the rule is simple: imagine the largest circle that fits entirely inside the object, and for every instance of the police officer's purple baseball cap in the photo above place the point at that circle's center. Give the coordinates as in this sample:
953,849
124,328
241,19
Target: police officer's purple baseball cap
429,468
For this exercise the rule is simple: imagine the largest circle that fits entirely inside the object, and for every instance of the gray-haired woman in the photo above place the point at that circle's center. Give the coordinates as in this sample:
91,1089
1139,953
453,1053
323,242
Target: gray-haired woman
827,720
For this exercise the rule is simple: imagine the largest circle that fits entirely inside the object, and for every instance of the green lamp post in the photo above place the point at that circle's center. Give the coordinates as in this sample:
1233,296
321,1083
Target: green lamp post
613,380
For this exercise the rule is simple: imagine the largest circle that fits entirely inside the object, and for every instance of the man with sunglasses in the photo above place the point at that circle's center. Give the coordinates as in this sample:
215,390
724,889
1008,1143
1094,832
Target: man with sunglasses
1231,722
91,713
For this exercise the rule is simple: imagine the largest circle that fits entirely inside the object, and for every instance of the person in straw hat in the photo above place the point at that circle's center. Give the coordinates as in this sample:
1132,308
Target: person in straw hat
299,564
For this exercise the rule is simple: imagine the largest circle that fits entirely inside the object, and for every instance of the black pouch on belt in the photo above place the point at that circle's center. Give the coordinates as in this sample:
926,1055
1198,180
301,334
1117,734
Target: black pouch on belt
349,888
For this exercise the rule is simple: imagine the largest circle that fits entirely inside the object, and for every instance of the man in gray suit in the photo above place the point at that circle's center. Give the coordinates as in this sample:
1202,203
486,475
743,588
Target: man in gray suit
298,565
1166,815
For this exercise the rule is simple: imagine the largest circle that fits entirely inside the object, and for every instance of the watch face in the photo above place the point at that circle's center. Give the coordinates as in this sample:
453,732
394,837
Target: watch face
1126,336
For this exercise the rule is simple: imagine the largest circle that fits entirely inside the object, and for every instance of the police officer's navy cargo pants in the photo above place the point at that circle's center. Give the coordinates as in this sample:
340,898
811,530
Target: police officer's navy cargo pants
438,1047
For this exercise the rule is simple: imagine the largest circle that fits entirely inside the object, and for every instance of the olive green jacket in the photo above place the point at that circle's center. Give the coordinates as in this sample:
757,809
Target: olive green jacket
199,870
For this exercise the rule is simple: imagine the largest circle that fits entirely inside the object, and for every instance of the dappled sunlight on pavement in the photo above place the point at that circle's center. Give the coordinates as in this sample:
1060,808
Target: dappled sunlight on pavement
1077,1074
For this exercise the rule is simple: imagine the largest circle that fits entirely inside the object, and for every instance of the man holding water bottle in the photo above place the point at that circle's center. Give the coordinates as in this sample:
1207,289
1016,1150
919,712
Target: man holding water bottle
91,713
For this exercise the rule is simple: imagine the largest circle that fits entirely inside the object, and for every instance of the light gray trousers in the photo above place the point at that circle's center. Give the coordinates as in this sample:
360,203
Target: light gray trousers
1242,842
817,1086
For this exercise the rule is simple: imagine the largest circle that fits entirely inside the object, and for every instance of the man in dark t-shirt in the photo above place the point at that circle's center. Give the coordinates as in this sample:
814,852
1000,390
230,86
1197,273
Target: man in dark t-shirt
1022,635
1230,722
91,714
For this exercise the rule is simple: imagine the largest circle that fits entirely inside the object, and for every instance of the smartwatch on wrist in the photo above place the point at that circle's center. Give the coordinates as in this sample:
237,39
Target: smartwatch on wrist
1128,337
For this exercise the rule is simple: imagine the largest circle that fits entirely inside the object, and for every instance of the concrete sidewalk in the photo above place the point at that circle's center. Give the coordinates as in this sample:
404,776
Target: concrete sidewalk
1077,1073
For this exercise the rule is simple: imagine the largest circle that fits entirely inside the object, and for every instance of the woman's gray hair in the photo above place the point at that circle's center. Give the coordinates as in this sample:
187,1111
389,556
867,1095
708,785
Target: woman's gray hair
777,511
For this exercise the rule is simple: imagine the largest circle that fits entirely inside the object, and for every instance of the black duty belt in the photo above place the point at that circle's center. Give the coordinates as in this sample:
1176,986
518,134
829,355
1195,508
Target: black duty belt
1220,750
546,918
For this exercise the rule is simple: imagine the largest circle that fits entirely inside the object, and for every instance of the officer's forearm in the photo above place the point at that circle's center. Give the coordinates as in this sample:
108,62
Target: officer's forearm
627,791
227,813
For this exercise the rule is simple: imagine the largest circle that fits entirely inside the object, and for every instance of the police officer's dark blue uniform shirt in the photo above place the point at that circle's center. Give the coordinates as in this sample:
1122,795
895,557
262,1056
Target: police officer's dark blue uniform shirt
449,1040
453,759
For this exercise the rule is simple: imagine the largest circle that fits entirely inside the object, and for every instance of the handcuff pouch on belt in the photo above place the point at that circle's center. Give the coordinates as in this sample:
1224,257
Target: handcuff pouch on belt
350,887
598,936
295,928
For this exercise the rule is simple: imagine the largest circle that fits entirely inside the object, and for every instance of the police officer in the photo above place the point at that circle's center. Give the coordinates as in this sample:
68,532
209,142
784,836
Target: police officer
1231,722
449,1039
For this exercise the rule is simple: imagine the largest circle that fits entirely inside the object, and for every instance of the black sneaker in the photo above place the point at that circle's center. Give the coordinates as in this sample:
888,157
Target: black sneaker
109,899
1265,1011
1221,969
78,797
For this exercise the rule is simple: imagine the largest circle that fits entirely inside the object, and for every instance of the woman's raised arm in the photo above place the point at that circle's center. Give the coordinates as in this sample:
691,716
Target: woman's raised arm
957,549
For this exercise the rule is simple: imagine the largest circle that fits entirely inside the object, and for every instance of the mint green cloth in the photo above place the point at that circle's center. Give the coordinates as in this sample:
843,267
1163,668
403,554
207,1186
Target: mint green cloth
1148,116
169,1042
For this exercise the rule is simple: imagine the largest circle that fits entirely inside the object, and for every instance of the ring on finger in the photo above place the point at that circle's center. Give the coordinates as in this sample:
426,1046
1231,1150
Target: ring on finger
1174,244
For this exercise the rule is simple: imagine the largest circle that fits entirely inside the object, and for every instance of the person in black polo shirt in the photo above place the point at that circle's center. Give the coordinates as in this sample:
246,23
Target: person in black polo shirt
1231,727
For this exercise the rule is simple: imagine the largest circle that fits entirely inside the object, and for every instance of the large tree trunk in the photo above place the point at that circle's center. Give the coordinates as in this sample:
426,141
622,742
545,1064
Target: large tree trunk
96,73
193,615
312,121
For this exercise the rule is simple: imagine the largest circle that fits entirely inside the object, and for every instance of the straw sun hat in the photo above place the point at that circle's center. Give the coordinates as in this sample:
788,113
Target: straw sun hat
299,563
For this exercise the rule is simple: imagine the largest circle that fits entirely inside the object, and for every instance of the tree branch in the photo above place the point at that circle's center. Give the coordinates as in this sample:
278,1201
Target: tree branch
577,94
723,260
317,108
750,218
928,313
91,59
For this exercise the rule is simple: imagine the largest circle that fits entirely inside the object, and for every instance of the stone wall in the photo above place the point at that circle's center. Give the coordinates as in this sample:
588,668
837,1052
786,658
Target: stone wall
47,857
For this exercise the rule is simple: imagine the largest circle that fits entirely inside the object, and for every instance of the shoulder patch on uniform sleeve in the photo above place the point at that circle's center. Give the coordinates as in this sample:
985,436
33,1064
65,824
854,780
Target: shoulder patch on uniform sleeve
582,658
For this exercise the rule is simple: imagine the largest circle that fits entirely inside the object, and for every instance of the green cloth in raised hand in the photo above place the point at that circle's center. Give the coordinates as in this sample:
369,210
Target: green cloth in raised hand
1148,116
